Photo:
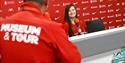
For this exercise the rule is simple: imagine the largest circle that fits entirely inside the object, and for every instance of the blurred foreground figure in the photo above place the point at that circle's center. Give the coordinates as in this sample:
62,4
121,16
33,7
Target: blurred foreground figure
29,37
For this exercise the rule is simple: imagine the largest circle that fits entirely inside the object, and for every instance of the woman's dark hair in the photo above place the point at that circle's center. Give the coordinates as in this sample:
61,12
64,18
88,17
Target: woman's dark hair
67,18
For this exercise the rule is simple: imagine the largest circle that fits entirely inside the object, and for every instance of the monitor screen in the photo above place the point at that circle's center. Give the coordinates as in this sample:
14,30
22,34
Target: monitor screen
95,25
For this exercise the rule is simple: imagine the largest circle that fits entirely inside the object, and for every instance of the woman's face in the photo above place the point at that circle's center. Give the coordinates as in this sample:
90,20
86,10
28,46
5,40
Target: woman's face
72,12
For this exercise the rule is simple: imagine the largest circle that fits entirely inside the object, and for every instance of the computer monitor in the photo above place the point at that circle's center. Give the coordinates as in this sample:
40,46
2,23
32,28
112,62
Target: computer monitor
95,25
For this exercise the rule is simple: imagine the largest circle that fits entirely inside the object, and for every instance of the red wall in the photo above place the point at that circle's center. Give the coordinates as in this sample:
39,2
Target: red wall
56,9
9,7
111,11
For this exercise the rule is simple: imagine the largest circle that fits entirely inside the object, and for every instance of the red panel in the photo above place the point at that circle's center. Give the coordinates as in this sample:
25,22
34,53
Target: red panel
111,11
56,9
9,7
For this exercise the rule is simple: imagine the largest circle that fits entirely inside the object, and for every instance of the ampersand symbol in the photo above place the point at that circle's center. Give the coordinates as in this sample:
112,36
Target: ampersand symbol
6,36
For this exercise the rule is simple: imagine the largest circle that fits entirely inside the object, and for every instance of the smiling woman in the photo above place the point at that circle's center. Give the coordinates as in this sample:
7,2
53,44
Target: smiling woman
72,25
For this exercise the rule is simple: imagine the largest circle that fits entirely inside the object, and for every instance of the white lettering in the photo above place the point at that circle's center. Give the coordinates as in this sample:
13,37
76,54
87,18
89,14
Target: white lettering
27,39
14,27
34,30
5,27
22,28
6,36
19,37
14,36
32,39
21,33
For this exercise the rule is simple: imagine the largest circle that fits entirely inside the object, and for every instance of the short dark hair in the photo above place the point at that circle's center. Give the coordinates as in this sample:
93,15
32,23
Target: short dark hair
37,1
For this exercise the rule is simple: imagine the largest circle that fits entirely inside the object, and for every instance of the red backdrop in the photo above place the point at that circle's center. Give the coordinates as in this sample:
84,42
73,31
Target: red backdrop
111,11
9,7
